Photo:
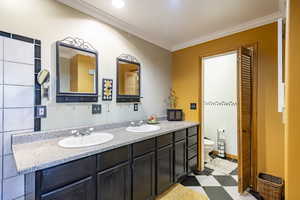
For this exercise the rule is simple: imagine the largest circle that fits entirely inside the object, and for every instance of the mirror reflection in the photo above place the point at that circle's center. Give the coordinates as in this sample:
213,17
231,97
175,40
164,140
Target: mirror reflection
77,70
128,79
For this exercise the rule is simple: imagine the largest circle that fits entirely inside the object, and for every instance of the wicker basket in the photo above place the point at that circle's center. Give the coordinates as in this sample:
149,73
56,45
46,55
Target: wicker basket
269,187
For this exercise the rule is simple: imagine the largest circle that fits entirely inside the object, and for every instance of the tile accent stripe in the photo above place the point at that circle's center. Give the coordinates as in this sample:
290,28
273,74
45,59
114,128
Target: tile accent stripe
220,103
37,93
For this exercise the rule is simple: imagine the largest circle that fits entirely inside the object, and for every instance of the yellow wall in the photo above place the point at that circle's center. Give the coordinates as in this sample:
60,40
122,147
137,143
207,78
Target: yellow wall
122,69
80,78
292,133
186,80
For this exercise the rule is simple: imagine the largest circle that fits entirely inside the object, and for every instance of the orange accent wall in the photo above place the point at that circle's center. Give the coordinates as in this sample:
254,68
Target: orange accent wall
292,131
186,81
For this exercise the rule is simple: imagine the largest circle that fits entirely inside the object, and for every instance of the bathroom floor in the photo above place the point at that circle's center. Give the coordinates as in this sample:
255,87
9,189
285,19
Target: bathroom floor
223,166
217,185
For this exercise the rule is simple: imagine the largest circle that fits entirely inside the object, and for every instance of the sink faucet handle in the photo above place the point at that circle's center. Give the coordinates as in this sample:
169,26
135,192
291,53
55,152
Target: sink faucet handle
91,130
132,124
141,123
75,133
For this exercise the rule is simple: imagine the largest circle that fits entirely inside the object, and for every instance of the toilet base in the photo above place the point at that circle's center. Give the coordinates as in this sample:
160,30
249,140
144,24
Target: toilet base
207,157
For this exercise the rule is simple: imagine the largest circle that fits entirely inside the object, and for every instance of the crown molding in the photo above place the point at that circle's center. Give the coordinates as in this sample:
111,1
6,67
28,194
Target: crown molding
101,15
229,31
282,7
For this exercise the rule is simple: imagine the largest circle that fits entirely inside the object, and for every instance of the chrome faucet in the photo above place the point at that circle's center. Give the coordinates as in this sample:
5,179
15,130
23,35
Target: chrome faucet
136,124
77,133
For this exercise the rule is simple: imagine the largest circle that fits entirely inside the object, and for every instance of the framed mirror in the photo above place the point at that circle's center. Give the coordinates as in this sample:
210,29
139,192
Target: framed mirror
128,79
77,71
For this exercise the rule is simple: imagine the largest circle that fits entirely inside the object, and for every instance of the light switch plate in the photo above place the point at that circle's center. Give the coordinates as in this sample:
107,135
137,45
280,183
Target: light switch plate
193,106
96,109
135,107
40,112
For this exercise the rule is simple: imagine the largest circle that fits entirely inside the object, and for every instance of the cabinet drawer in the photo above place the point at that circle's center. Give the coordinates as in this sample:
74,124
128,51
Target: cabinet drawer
62,175
164,140
192,164
83,189
192,140
112,158
192,131
192,151
143,147
180,135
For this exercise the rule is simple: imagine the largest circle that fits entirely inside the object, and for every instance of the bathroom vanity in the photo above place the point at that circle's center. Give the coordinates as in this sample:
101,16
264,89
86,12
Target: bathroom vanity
140,170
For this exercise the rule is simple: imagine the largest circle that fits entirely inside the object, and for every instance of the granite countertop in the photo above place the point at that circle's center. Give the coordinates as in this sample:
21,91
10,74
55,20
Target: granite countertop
40,154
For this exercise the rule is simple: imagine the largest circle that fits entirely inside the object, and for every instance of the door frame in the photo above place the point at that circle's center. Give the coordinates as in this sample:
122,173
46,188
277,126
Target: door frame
220,52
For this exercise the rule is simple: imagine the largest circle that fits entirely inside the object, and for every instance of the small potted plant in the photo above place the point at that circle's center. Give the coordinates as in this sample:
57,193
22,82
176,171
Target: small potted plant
173,114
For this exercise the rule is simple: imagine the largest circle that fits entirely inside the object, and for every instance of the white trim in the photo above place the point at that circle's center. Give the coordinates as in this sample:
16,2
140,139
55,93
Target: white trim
229,31
101,15
281,103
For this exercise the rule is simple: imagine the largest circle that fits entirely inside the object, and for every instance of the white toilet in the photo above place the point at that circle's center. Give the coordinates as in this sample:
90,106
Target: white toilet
208,147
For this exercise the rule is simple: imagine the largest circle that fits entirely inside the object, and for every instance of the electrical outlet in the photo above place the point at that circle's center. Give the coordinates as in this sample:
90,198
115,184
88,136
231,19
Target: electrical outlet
136,107
96,109
193,106
40,112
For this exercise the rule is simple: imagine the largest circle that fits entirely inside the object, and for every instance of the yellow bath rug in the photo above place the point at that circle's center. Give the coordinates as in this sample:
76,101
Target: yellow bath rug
179,192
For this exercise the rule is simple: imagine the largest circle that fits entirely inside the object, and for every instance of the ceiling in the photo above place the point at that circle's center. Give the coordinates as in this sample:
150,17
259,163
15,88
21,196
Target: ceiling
176,24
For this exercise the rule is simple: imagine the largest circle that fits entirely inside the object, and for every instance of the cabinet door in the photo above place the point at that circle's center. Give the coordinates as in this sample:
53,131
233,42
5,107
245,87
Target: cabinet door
164,168
192,164
143,177
180,160
84,189
114,184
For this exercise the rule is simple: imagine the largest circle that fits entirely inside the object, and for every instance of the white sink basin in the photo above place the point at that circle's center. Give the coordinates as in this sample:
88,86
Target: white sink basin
85,141
143,128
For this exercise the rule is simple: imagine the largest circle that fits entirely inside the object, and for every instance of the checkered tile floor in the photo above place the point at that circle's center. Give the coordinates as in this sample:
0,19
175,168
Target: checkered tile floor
216,186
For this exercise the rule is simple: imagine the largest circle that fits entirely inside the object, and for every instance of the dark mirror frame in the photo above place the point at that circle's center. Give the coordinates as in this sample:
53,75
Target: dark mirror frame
128,98
69,97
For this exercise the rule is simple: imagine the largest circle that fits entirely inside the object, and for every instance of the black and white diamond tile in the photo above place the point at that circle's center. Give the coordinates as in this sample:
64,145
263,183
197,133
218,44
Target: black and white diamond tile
216,185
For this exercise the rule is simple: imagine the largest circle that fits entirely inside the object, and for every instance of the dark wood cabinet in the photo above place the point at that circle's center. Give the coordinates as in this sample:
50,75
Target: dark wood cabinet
59,176
114,184
139,171
143,177
84,189
192,164
112,158
180,160
164,169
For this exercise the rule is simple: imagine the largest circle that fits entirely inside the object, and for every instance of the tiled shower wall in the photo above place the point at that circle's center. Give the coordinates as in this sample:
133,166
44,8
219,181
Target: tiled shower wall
17,108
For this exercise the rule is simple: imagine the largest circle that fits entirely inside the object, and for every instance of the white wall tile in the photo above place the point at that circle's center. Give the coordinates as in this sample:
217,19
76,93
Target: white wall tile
1,48
18,51
18,119
1,144
1,120
20,198
18,74
7,140
9,167
18,96
13,187
1,176
1,96
0,188
1,71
